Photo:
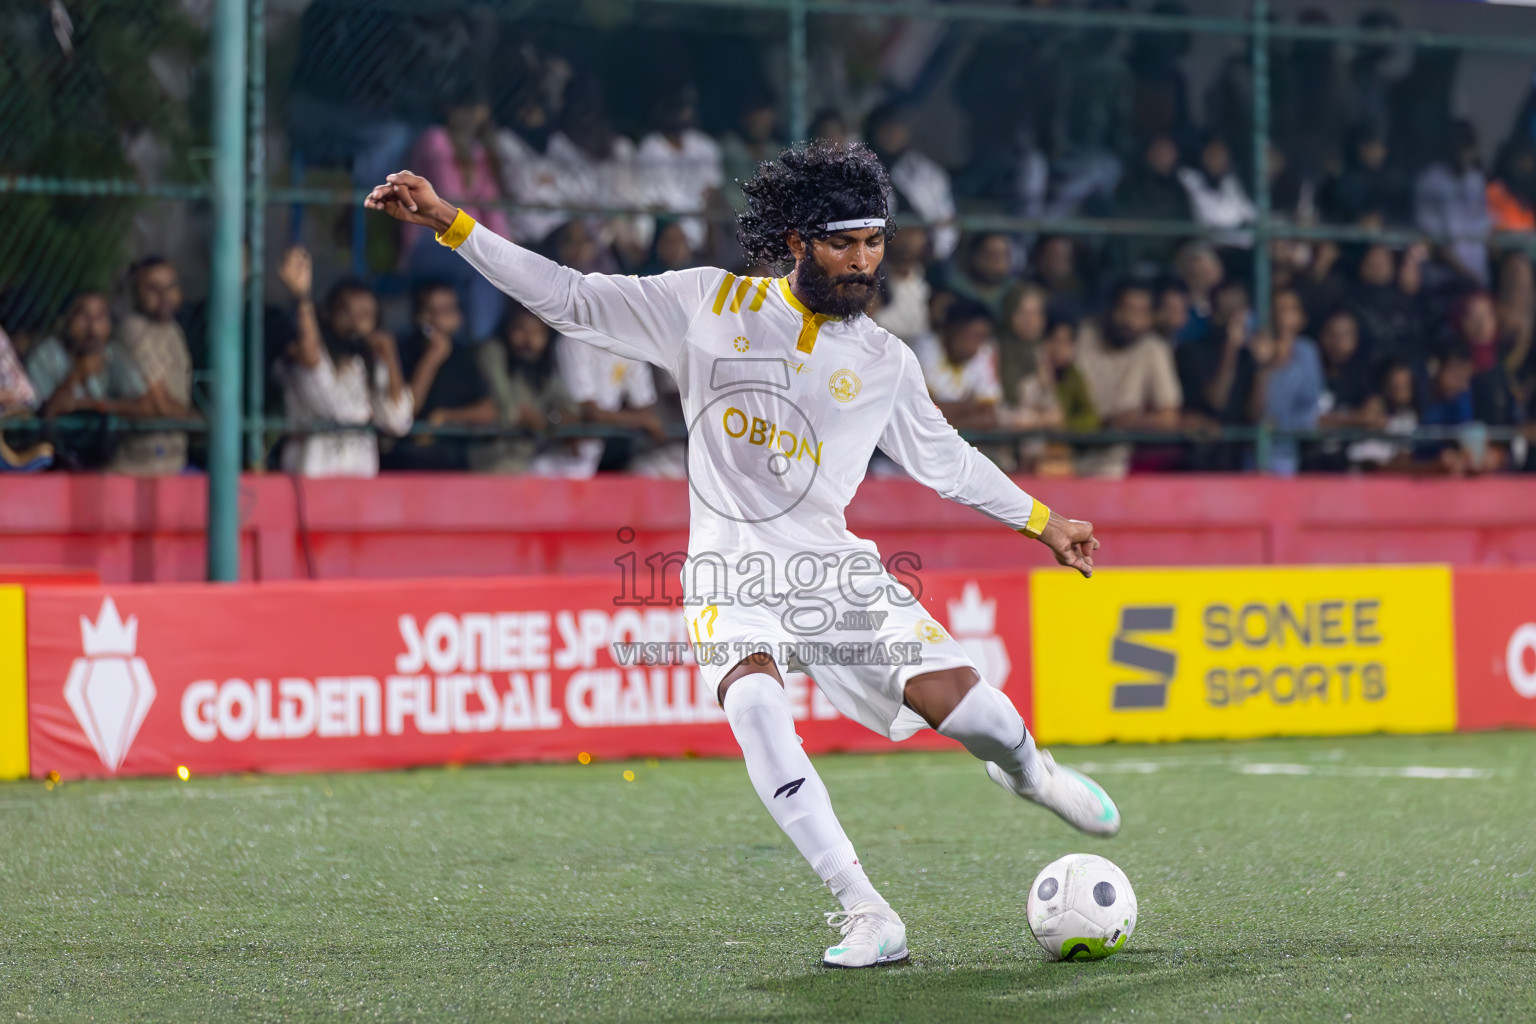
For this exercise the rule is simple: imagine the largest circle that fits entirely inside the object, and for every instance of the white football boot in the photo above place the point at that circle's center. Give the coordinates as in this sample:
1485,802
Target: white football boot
872,934
1077,799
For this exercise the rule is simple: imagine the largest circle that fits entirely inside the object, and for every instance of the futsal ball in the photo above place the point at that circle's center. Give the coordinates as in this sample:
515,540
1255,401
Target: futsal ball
1081,907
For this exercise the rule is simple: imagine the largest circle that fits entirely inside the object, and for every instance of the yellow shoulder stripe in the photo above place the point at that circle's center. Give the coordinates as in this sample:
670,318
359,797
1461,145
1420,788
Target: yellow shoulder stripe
741,293
762,293
725,289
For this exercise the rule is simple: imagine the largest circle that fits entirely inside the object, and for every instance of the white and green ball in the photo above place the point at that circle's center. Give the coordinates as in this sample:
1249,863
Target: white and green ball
1081,907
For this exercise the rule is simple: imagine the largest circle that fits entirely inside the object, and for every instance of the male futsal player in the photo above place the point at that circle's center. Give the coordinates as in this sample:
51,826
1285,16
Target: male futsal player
789,389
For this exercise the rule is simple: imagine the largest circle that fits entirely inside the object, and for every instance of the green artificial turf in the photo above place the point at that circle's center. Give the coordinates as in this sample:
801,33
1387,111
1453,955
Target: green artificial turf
1292,880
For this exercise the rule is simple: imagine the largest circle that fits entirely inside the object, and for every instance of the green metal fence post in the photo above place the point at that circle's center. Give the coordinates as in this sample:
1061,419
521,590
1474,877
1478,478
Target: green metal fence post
799,74
256,224
1260,61
229,93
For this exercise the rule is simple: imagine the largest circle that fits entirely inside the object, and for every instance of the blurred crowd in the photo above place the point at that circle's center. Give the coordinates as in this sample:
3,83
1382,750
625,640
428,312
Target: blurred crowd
1110,353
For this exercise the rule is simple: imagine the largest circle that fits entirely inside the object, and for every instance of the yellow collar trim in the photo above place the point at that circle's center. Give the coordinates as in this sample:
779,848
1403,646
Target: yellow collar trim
810,322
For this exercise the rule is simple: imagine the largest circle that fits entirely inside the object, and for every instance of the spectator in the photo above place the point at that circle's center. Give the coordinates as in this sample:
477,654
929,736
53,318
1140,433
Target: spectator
1200,270
1003,88
1398,407
1512,192
1020,334
1477,331
1054,265
1370,88
81,370
1217,198
460,159
1496,397
1217,373
1372,190
610,390
1088,140
985,273
17,394
1289,381
1321,287
1349,397
347,376
1130,374
1517,317
596,167
527,176
1450,202
905,309
1292,190
829,125
1054,395
1319,101
669,249
445,384
520,368
918,181
1171,315
680,166
961,367
18,397
1450,405
755,139
1390,322
1152,191
1161,103
276,336
1421,106
154,341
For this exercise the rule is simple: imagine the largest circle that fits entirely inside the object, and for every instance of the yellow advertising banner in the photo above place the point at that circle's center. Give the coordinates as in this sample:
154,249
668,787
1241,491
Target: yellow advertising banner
13,684
1146,655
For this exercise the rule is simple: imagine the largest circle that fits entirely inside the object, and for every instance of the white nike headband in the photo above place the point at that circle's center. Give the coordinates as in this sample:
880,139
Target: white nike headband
854,225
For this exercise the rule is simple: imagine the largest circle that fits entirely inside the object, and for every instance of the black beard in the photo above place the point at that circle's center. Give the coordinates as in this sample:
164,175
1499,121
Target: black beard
821,293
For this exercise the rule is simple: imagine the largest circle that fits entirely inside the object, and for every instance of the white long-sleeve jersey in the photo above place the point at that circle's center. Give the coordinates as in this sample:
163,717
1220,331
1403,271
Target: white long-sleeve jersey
785,406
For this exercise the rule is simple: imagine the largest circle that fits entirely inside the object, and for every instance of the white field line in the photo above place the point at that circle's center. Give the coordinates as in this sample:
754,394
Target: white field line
1411,771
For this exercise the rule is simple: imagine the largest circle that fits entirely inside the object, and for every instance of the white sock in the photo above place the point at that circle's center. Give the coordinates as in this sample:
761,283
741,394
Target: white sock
758,709
988,725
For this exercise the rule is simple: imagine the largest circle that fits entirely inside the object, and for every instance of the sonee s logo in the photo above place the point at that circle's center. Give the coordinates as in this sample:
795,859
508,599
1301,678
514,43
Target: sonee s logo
789,789
1129,653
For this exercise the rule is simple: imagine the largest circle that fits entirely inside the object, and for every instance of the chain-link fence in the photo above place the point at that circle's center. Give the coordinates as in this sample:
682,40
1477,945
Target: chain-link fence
1039,113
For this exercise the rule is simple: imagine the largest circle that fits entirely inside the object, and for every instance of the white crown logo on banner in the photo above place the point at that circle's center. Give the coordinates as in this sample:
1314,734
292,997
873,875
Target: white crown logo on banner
973,623
109,689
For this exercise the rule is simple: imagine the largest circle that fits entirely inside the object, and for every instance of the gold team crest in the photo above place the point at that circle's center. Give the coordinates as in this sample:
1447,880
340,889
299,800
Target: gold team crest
741,343
845,385
930,631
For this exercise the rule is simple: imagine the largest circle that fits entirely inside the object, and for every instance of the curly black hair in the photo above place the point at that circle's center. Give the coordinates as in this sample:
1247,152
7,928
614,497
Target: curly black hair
807,186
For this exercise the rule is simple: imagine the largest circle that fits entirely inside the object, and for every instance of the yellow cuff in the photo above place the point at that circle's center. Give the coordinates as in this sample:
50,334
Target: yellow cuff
459,230
1038,517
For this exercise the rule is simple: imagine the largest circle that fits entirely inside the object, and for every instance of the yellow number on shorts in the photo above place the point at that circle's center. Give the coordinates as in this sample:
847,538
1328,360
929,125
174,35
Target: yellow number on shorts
713,614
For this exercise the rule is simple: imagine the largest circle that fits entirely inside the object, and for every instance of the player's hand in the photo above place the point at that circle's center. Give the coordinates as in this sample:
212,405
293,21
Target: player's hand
1071,541
411,198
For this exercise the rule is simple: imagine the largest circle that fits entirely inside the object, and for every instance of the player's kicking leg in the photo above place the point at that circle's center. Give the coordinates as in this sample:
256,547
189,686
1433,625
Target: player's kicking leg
758,710
960,705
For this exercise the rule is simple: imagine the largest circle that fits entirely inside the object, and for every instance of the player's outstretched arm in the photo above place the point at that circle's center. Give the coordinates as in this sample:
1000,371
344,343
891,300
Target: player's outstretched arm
641,318
924,444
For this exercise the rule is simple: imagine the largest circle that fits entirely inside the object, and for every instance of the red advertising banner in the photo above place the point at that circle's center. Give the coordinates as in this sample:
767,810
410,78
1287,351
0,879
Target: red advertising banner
1495,648
141,680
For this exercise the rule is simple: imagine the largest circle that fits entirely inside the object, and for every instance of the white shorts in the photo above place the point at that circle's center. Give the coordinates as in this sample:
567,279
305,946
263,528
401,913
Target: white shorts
860,655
